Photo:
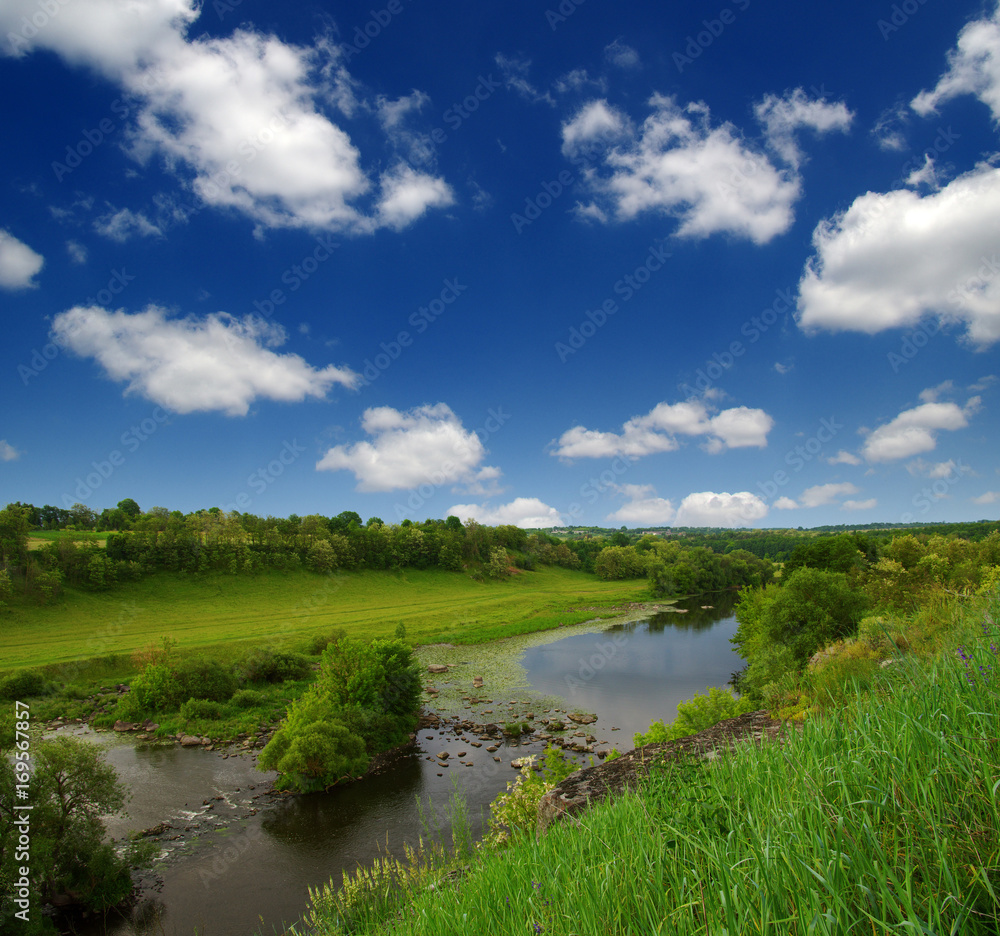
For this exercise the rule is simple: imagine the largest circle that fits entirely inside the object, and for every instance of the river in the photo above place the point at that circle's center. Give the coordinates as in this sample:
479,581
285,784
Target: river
239,859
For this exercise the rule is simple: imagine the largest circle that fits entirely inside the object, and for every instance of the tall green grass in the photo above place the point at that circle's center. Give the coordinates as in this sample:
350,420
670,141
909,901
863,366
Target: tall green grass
882,816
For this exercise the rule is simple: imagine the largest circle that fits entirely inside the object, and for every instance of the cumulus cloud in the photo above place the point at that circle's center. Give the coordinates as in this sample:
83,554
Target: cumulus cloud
990,497
621,54
18,263
526,512
973,68
890,261
643,509
124,224
241,119
720,510
426,445
781,117
8,452
843,458
677,163
215,363
869,504
77,252
515,73
820,495
706,176
657,431
920,468
914,431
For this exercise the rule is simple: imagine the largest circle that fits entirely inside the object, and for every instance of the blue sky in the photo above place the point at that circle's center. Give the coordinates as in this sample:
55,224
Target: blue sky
540,263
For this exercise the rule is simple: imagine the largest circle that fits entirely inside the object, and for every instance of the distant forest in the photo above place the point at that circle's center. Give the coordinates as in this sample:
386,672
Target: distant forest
126,543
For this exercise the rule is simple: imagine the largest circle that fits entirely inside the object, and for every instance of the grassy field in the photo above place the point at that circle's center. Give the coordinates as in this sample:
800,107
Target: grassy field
218,613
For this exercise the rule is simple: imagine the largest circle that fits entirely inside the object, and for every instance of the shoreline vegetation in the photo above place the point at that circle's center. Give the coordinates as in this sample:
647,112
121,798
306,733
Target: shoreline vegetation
867,642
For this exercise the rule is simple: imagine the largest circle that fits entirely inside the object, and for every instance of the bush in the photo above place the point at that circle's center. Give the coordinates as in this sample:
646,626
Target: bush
153,690
248,698
311,750
697,714
195,709
25,684
264,665
200,678
781,627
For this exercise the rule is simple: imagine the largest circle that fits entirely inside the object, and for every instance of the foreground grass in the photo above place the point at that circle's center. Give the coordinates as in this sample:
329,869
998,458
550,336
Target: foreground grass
882,816
223,613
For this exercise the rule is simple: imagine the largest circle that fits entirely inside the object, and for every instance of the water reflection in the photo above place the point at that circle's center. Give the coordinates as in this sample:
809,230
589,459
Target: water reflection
634,673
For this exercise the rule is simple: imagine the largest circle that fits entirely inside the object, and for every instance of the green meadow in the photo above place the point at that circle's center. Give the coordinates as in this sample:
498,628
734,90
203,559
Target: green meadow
216,613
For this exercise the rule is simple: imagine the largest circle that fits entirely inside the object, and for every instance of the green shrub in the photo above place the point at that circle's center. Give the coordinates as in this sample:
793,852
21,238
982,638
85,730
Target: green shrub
153,690
195,709
25,684
265,665
200,678
311,750
248,698
697,714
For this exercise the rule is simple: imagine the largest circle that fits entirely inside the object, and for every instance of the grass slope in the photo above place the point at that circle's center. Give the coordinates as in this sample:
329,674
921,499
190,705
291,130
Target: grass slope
219,612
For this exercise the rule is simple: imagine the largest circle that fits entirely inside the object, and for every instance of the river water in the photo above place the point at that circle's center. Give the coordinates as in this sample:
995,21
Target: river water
239,859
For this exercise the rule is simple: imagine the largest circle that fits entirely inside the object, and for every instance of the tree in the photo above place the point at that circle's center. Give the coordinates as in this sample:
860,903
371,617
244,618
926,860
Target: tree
72,787
14,529
130,508
780,627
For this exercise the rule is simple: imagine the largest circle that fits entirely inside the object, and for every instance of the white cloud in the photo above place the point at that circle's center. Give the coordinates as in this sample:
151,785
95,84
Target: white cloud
621,55
657,431
869,504
77,252
643,509
843,458
973,68
407,194
124,224
18,263
707,177
990,497
426,445
194,364
526,512
8,452
891,260
984,383
577,79
782,116
913,431
720,510
595,122
515,75
822,494
240,119
920,468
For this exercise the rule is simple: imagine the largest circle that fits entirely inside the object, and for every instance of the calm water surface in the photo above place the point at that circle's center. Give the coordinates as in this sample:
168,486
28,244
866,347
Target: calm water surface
246,858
